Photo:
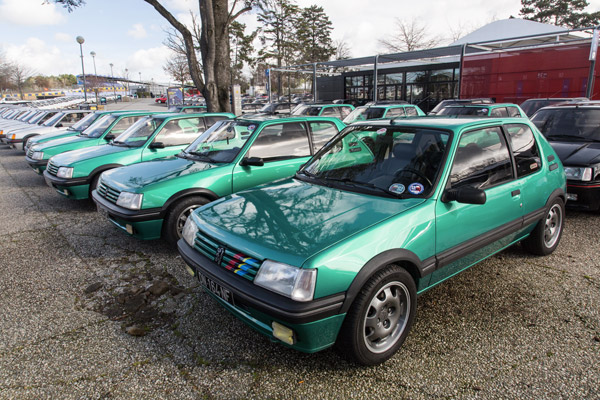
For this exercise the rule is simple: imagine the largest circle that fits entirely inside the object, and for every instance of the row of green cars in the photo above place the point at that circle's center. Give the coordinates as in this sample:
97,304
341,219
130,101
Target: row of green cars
312,232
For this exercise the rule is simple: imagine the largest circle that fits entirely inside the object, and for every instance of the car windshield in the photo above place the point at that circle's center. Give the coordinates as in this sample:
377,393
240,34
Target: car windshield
391,161
470,111
52,121
139,133
36,118
221,142
99,126
83,123
364,113
568,123
306,110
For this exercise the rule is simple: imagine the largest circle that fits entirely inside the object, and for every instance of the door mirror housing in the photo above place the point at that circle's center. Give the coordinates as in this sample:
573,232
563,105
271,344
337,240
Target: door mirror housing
465,194
59,125
109,137
252,161
157,145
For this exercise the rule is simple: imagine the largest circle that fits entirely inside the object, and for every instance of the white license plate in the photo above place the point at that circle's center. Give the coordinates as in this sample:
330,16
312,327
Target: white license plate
215,288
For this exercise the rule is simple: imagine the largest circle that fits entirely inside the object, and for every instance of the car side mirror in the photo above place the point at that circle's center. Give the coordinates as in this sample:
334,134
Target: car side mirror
109,137
59,125
252,161
465,194
157,145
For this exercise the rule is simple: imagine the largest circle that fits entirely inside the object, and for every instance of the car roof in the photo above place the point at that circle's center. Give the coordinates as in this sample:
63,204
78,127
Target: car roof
440,122
287,118
583,104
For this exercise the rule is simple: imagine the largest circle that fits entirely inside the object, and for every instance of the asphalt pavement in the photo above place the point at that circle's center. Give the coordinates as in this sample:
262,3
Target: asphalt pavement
88,312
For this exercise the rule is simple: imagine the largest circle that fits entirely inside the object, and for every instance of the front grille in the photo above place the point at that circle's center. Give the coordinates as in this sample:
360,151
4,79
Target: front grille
52,168
107,192
236,262
29,151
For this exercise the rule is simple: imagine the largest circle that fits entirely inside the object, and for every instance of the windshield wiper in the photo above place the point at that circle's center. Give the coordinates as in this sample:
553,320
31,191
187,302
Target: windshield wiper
348,181
203,155
312,176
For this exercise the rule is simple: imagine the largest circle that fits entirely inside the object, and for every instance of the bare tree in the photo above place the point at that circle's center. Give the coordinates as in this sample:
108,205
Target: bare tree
178,69
409,36
19,75
342,50
5,73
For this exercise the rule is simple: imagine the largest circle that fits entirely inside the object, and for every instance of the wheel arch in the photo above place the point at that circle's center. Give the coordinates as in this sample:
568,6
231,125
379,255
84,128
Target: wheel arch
182,194
404,258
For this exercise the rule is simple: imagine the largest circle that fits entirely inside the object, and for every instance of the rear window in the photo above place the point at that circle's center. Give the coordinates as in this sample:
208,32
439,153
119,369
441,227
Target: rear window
569,123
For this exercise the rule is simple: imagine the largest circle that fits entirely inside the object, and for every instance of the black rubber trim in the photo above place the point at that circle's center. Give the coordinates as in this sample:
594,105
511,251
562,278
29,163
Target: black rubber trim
36,163
102,168
380,261
125,213
457,252
13,141
247,294
209,194
66,182
534,216
553,166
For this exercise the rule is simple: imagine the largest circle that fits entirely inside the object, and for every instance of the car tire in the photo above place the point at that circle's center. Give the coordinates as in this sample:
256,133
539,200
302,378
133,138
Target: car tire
546,235
380,317
177,216
93,185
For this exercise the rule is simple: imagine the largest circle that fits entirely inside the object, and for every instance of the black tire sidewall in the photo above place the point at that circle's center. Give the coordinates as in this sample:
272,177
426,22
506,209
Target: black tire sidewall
170,222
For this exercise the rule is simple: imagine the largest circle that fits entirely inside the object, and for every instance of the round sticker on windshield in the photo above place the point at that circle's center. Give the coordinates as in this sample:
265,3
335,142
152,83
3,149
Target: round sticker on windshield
251,127
416,188
397,188
381,131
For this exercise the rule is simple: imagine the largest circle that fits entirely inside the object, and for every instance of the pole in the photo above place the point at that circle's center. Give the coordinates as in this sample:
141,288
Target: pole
460,68
315,82
112,76
593,53
93,54
375,93
82,67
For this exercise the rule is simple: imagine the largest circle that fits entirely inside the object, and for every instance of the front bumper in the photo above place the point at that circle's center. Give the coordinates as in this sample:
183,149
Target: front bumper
315,323
39,166
76,188
141,224
583,196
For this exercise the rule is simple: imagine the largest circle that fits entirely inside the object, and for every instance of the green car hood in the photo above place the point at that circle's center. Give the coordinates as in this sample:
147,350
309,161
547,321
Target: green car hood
54,135
134,177
291,220
76,156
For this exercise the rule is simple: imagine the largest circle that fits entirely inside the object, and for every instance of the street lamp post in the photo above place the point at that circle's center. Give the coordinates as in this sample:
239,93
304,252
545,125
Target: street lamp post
93,54
80,40
127,77
113,82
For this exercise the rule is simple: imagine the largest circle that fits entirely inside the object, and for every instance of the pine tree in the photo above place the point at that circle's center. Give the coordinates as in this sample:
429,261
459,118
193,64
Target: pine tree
314,35
567,13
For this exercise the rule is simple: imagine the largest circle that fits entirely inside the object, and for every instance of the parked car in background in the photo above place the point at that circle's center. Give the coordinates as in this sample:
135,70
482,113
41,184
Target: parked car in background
161,99
573,130
38,121
231,156
340,111
103,130
381,111
450,102
74,174
482,110
530,106
339,253
187,109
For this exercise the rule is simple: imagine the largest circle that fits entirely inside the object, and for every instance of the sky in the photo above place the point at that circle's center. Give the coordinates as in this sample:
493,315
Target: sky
130,33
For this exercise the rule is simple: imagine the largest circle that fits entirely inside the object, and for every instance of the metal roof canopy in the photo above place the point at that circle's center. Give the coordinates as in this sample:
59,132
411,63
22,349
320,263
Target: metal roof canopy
551,38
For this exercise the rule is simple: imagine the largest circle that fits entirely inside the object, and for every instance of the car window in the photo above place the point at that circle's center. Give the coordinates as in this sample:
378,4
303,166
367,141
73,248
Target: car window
395,112
210,121
411,111
482,160
123,124
281,141
178,132
568,123
330,112
499,112
524,148
322,132
513,112
193,110
345,111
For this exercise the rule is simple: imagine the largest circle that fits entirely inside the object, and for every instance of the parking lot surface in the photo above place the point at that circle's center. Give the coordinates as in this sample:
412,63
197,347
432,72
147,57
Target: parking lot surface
88,312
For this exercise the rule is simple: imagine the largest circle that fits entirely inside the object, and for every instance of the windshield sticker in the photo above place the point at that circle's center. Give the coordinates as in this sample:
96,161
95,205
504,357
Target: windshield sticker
533,166
355,149
397,188
416,188
251,128
381,131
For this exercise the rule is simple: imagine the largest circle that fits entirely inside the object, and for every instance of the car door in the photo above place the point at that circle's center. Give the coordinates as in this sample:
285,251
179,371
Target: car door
283,147
467,233
174,136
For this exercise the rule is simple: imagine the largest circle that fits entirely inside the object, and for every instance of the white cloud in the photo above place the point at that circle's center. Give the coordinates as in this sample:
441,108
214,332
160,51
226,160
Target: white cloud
137,31
30,13
63,37
149,62
42,58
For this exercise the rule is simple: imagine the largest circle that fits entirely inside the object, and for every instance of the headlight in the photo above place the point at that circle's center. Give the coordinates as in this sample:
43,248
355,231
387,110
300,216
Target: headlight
190,229
65,172
133,201
578,174
38,155
293,282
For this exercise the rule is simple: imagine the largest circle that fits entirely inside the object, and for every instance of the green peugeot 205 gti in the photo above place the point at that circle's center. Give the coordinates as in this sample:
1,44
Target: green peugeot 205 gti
99,133
339,253
75,174
233,155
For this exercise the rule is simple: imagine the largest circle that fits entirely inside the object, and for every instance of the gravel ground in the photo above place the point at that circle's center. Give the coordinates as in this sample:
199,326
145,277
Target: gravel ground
88,312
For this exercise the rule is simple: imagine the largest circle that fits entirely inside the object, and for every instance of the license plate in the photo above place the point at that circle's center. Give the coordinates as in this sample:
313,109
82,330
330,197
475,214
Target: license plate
215,288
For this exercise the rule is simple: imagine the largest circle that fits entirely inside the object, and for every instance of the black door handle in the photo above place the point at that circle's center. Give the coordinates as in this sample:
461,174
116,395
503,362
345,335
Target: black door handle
515,193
